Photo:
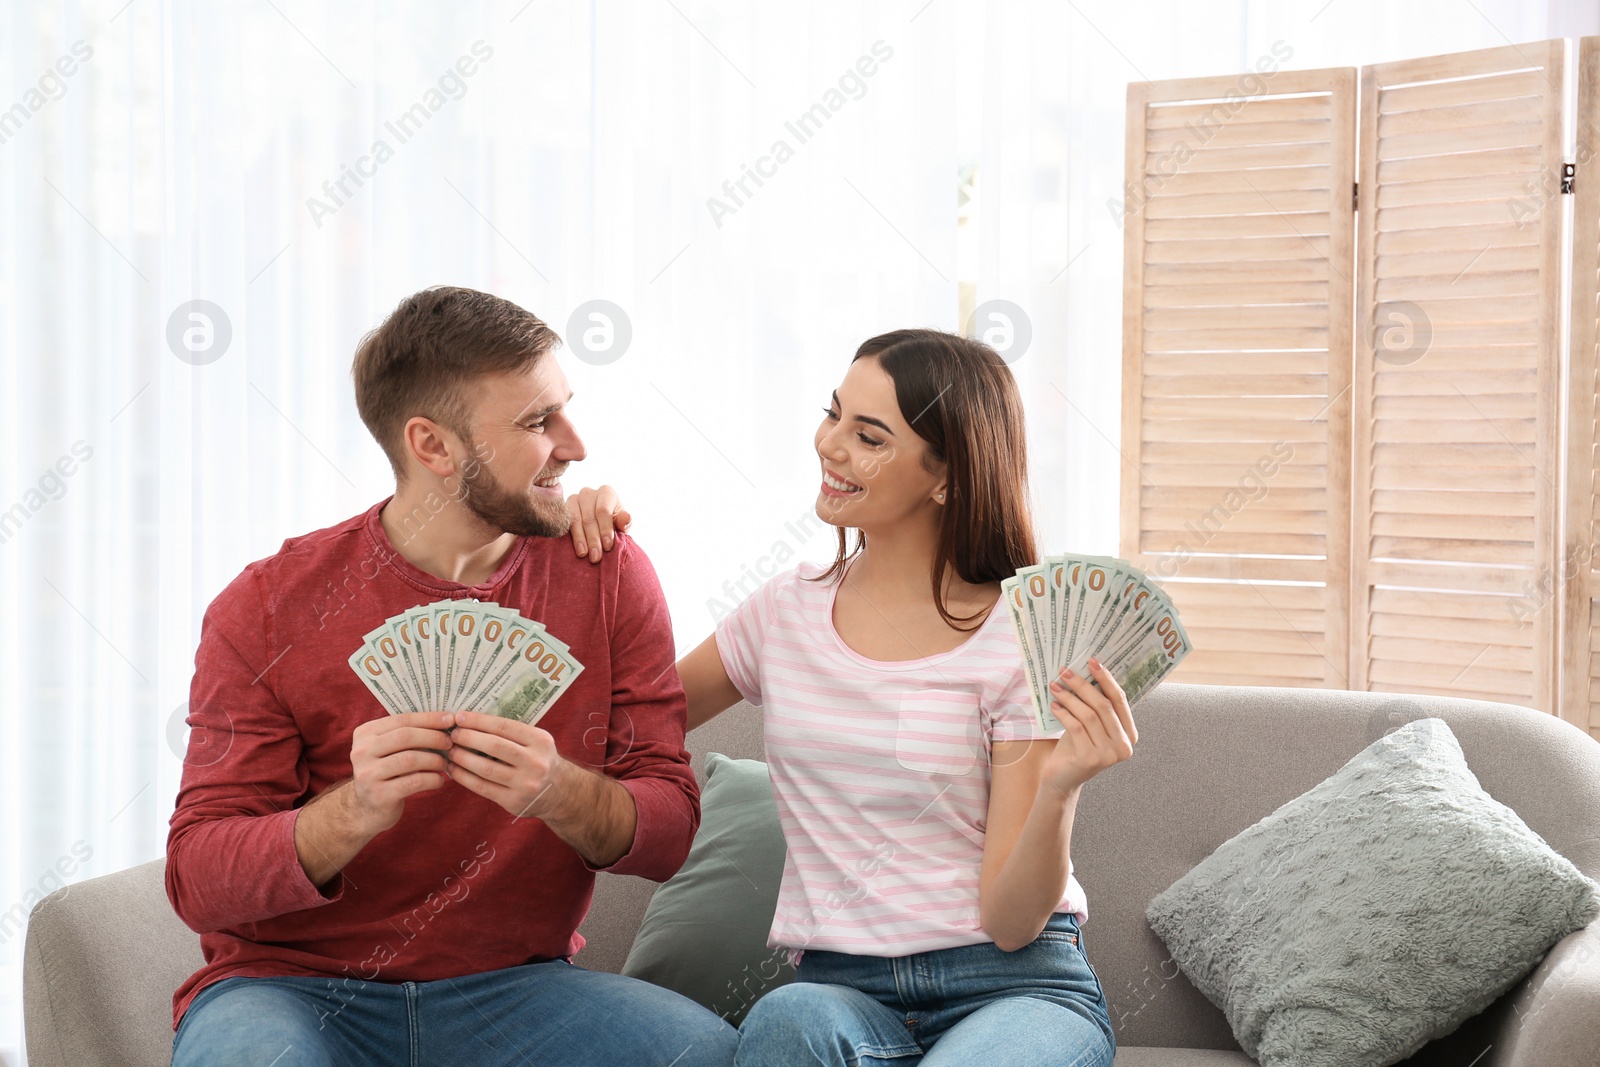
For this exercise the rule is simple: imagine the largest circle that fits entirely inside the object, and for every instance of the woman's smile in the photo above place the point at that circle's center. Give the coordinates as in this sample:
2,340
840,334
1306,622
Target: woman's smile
835,486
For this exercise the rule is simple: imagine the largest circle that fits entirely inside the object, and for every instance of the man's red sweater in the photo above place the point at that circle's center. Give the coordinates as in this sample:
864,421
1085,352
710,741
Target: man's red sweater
458,886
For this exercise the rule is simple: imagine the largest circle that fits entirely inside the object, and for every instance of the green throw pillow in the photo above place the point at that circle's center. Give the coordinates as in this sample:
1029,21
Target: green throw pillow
1373,913
705,932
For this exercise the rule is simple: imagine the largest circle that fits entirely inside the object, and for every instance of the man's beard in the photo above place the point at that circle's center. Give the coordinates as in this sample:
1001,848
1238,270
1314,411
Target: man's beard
502,509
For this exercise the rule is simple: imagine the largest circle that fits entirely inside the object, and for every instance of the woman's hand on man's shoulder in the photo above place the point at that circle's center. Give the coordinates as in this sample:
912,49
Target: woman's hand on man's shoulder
597,517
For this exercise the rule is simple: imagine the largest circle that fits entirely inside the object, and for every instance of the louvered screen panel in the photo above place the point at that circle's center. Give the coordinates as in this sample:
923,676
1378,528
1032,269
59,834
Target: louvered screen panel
1237,346
1456,382
1580,662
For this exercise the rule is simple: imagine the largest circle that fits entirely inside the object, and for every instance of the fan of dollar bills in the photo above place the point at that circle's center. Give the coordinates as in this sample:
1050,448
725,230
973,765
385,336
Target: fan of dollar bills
1070,608
465,655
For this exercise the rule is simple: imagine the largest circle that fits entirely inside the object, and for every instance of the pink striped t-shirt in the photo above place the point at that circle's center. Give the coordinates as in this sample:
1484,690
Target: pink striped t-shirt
880,770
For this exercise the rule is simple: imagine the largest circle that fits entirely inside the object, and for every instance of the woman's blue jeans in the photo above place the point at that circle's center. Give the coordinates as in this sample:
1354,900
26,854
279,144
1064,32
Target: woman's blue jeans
538,1013
1040,1006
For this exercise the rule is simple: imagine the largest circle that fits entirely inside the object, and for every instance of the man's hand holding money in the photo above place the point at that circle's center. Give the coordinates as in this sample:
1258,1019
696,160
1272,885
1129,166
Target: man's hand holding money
391,759
507,761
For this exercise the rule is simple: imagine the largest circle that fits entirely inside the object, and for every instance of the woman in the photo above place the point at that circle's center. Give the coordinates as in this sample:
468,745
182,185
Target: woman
928,895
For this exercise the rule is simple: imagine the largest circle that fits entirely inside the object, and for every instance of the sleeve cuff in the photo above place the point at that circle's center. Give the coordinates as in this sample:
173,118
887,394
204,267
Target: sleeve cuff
652,850
304,892
1015,728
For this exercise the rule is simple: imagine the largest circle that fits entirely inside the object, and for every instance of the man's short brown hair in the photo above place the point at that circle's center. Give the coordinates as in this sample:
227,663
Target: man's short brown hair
425,356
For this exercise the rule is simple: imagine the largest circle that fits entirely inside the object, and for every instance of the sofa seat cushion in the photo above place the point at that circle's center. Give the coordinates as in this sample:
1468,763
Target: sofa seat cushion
1146,1056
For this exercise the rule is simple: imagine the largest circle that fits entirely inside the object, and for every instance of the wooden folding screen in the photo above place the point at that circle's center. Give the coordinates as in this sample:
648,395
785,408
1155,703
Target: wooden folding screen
1236,343
1578,582
1391,352
1457,374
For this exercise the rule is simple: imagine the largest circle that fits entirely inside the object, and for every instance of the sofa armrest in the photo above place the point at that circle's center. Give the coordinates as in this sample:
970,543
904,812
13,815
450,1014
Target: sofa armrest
101,961
1551,1017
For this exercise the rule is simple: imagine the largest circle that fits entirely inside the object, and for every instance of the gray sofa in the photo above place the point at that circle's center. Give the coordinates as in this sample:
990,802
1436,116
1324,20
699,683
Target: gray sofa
104,956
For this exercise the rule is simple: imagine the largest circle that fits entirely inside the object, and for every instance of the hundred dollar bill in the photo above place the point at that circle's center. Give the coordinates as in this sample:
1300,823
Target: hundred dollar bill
382,644
460,634
492,623
451,645
401,628
425,638
1124,610
1036,593
527,684
517,637
430,623
1142,664
1011,593
515,631
1137,626
1056,576
1090,576
1124,579
370,668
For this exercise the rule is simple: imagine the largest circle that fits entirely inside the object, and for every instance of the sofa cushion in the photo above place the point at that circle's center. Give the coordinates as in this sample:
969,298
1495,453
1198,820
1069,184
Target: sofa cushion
705,932
1140,1056
1374,912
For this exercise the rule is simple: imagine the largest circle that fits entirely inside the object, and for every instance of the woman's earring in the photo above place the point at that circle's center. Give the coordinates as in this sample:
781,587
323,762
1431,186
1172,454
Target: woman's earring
941,498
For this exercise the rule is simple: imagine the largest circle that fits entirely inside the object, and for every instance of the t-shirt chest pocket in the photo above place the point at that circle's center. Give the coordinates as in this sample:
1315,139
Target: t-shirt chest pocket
939,731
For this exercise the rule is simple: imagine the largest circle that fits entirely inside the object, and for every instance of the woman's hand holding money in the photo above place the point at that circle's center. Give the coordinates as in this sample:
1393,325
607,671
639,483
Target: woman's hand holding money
1100,729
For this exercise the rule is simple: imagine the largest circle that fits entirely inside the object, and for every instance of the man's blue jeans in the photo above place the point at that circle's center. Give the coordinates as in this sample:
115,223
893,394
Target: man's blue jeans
554,1013
1040,1006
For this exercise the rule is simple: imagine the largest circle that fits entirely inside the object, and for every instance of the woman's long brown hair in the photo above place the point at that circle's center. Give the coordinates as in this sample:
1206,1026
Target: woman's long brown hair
960,397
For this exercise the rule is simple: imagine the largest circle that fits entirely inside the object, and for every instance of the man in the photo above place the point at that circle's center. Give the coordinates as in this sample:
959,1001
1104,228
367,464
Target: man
405,889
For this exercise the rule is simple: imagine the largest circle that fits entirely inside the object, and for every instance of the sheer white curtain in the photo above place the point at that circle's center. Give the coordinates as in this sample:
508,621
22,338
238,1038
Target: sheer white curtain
302,166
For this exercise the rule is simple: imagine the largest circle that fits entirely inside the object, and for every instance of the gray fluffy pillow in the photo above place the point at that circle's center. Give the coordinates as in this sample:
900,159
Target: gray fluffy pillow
1374,912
